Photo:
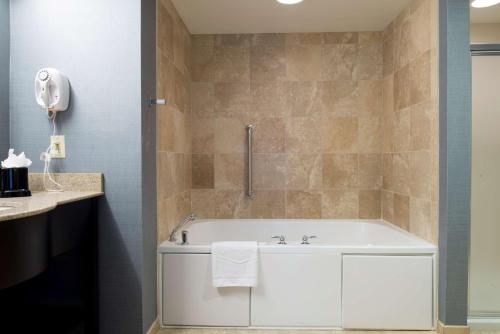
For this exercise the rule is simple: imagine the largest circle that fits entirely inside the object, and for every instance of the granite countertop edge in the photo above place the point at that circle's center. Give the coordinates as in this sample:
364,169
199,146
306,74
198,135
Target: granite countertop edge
41,202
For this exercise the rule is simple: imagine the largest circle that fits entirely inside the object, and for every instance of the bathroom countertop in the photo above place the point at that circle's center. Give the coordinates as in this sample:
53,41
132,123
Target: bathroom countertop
78,186
40,202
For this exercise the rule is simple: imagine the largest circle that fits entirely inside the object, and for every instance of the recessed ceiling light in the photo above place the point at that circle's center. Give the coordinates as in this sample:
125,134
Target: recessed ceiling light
484,3
293,2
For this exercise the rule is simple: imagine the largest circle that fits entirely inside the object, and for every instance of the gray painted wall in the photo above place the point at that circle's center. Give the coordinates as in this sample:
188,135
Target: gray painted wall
97,44
454,161
4,77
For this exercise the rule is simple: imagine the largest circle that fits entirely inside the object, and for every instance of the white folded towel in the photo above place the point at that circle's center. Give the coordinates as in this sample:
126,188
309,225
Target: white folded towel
234,263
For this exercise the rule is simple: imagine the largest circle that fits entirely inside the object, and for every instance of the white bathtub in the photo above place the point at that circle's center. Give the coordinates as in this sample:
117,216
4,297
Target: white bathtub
355,274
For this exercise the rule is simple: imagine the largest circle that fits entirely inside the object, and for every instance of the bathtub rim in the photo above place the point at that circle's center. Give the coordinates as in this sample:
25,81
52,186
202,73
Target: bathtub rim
423,246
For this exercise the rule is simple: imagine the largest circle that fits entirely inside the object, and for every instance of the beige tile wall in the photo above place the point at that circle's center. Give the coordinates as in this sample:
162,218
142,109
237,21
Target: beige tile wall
316,101
346,123
173,119
410,121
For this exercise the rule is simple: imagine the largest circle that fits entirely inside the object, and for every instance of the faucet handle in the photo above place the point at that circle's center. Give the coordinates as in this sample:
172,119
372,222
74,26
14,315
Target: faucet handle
305,239
282,239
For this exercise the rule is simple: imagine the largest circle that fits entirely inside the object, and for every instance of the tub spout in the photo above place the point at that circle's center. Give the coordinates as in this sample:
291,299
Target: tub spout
185,238
190,218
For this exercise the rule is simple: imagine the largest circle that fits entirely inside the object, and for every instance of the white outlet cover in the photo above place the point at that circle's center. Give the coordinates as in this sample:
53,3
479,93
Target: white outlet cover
58,146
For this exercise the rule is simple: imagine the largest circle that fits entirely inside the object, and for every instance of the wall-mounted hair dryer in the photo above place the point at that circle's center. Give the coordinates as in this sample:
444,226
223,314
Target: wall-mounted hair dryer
52,94
52,90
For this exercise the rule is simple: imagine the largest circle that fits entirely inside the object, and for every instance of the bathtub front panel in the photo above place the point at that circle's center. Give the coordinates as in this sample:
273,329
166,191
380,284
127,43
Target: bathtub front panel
387,292
189,297
297,289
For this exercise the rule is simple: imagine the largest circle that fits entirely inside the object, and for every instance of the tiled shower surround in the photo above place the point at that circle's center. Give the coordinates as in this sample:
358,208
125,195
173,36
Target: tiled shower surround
173,120
336,121
316,102
410,121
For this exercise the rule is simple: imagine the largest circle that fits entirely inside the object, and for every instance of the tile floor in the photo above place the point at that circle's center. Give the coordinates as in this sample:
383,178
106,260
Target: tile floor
283,331
291,331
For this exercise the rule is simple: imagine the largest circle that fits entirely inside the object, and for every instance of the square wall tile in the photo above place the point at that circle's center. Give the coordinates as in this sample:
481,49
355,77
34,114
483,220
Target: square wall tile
387,171
230,135
303,135
231,204
370,98
303,62
203,171
304,171
269,136
401,173
202,99
369,137
234,40
268,204
340,170
401,215
369,204
232,64
269,171
203,203
388,206
340,203
267,99
268,62
420,78
369,61
268,39
203,135
298,97
202,58
303,204
232,99
338,62
402,89
304,39
421,177
420,218
230,171
370,170
340,134
165,30
340,37
401,131
423,126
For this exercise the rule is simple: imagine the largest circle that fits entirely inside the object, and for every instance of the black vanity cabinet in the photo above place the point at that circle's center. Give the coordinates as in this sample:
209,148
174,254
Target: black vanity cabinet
48,271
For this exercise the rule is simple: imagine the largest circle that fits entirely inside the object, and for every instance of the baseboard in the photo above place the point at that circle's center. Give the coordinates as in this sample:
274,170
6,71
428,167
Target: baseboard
484,323
155,327
450,329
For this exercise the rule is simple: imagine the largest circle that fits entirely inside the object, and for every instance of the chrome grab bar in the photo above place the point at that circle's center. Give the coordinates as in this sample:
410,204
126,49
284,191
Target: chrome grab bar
249,128
190,218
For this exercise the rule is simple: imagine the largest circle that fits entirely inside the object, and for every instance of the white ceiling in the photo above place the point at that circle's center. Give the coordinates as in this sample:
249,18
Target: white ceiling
268,16
485,15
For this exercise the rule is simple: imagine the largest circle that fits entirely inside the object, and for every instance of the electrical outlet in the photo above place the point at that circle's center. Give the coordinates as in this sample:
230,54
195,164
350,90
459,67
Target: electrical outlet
58,147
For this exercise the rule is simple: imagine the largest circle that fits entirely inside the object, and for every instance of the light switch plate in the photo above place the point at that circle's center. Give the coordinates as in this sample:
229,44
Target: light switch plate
58,147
